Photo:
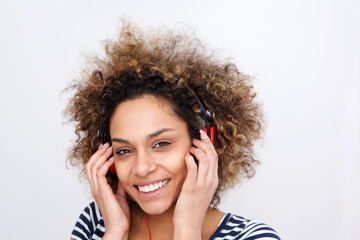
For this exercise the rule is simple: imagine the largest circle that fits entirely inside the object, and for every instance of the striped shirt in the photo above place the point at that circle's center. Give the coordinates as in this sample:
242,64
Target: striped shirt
90,226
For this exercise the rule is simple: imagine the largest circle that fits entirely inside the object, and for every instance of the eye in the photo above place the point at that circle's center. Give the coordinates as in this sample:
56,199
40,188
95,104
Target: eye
123,151
161,144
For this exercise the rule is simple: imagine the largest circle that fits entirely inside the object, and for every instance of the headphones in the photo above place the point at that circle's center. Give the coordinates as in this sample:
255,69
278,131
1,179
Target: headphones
209,121
209,129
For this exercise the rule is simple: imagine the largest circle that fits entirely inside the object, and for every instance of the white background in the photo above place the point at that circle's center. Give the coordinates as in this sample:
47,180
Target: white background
305,56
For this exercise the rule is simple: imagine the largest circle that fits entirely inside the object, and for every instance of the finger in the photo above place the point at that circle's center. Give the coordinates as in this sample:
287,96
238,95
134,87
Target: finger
191,169
98,153
92,165
93,158
121,197
102,159
216,166
204,164
95,173
104,168
120,190
101,174
206,145
207,177
204,136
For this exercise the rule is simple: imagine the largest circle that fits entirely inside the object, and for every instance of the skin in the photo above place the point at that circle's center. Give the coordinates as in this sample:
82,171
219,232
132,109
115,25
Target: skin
151,144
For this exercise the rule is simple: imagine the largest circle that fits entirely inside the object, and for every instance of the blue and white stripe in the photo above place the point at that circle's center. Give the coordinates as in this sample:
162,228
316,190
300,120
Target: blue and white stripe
90,226
234,227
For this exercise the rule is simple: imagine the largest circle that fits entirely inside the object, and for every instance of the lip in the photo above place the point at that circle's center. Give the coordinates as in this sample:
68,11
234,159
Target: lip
148,182
153,194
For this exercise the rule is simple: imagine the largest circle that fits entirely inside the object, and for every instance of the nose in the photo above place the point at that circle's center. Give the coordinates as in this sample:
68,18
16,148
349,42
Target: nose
144,164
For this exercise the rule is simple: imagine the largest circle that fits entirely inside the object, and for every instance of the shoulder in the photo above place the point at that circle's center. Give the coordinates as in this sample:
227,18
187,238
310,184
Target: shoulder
236,227
90,224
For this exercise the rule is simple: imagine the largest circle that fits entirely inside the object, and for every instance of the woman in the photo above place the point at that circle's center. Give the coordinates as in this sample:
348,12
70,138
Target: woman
164,127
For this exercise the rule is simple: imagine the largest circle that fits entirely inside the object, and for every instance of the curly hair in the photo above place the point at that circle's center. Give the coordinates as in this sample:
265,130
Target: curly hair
162,63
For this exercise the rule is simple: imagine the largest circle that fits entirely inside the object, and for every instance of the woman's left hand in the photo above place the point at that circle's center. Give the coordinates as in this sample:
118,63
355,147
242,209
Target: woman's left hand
198,189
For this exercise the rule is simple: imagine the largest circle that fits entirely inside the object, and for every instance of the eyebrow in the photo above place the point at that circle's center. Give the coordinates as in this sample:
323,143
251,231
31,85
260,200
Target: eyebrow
120,140
158,132
151,135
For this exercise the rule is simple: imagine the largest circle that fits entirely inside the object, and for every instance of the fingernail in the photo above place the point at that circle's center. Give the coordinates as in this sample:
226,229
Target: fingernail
203,134
109,149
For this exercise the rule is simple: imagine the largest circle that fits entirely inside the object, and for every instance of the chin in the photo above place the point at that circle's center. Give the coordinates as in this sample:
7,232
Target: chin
154,207
155,211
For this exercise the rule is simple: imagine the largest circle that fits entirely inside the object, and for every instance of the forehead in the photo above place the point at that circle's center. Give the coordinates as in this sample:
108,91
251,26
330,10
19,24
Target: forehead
144,114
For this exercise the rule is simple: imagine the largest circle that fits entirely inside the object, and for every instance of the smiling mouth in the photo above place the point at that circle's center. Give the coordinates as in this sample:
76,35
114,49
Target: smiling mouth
152,187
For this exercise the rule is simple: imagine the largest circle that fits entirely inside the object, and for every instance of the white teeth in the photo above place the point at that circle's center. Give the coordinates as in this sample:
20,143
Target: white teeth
153,187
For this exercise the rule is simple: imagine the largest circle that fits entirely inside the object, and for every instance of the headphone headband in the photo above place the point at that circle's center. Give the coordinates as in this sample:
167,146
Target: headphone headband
204,112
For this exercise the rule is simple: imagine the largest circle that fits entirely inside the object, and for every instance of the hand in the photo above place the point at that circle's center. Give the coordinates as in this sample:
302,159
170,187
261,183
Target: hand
113,207
198,189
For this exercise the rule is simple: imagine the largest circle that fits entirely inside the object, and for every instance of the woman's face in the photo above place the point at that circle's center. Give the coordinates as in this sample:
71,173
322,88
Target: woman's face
149,143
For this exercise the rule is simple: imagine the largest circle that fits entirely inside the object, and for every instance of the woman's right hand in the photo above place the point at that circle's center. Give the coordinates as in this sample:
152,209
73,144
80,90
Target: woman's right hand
113,207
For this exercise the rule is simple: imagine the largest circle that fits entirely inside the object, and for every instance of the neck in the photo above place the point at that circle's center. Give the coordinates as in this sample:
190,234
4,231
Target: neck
161,225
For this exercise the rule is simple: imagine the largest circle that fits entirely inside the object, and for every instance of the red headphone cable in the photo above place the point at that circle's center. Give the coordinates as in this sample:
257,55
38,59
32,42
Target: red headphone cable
147,224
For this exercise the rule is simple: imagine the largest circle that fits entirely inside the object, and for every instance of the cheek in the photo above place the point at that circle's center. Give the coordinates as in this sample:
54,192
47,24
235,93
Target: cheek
176,164
122,171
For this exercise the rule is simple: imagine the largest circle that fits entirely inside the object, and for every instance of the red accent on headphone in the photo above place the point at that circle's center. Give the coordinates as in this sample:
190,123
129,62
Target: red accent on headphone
212,136
112,169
